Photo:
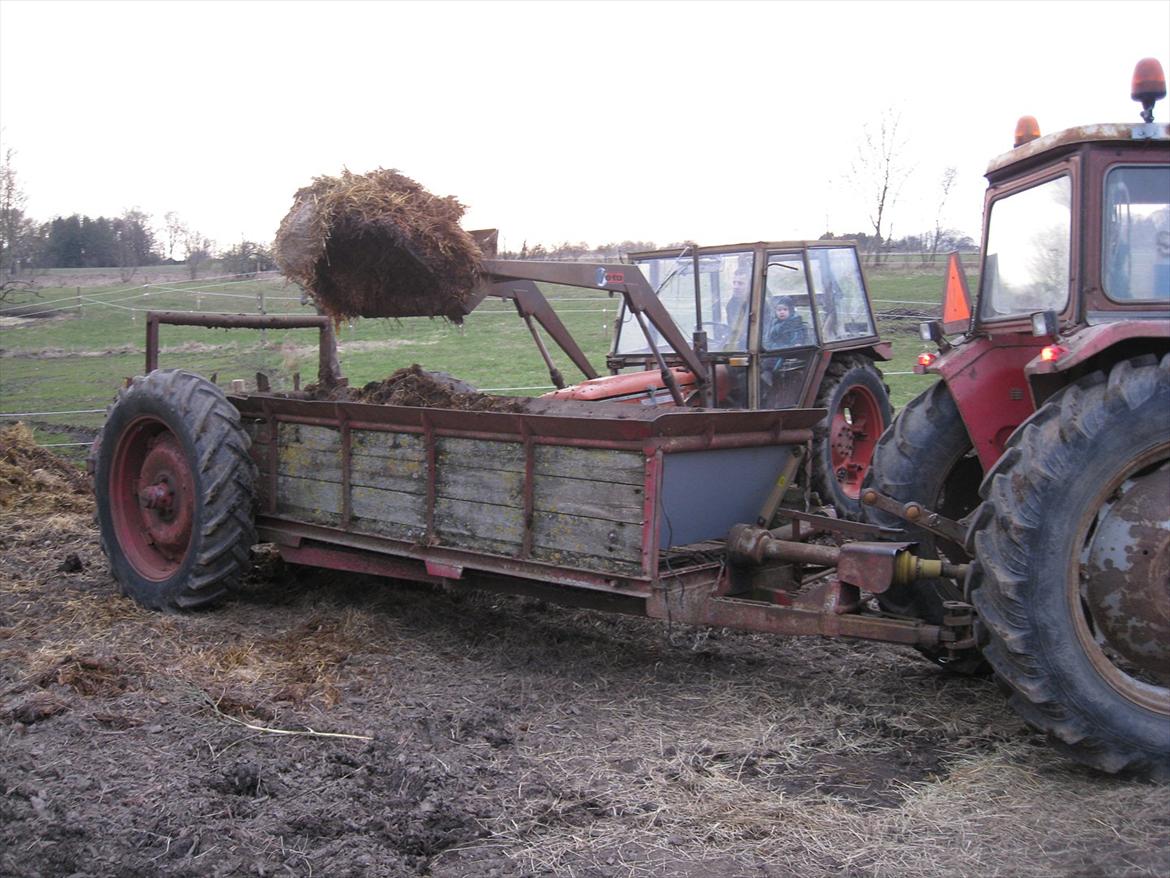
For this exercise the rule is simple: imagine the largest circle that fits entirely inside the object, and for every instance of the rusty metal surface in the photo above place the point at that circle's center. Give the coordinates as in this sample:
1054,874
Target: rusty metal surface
825,612
1127,577
917,514
839,526
627,280
286,532
626,427
1070,137
869,566
530,303
328,369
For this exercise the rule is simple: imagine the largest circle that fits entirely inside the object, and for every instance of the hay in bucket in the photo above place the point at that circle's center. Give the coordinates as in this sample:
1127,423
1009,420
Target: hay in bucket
378,245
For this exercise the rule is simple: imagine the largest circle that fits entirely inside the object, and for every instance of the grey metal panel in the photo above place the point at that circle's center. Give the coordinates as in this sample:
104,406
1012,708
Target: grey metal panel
705,492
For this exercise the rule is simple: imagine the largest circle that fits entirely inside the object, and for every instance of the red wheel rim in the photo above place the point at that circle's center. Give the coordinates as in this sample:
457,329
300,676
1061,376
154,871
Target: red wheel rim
152,498
854,431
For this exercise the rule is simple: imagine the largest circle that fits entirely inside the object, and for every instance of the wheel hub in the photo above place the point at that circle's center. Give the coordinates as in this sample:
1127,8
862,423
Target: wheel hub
852,438
164,489
1126,573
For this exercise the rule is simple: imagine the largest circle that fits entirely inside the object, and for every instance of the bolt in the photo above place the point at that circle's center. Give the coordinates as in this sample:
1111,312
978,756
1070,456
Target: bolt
157,496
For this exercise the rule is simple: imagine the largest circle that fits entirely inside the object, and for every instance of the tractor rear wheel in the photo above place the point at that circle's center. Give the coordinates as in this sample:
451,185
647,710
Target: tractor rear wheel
175,487
926,456
843,444
1072,548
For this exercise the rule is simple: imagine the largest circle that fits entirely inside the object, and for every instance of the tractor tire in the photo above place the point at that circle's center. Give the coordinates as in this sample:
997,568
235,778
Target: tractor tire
926,455
859,410
1072,548
175,491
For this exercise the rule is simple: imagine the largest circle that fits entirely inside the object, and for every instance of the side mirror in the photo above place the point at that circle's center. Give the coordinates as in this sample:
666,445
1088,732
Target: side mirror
1045,323
933,331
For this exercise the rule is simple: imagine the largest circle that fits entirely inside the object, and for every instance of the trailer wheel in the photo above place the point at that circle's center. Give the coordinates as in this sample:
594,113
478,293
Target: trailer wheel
859,410
926,455
174,487
1073,559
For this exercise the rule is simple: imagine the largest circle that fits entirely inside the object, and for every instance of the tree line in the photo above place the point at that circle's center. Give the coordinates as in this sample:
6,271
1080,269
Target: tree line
128,242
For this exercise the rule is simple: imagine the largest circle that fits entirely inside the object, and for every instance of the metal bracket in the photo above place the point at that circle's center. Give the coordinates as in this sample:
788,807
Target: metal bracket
918,515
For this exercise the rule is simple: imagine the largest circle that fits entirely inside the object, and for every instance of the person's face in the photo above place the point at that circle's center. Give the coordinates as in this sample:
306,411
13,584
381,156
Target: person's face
739,284
782,312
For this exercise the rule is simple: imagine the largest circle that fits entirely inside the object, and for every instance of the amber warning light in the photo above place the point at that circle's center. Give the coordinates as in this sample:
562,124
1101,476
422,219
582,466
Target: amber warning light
1027,130
1149,86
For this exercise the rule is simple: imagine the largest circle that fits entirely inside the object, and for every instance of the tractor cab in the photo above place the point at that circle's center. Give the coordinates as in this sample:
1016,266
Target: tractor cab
1075,272
766,316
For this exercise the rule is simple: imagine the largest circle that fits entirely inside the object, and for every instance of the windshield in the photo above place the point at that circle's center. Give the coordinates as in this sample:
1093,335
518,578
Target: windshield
1026,267
724,295
1136,250
842,306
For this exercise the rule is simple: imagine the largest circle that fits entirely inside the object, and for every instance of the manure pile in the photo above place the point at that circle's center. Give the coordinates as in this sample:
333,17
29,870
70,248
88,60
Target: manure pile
34,479
414,386
378,245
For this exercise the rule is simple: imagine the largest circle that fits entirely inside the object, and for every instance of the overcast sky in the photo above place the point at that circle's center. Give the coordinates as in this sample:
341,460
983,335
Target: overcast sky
553,121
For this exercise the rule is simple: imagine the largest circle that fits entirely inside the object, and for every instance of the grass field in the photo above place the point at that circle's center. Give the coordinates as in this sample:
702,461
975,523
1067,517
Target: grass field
62,361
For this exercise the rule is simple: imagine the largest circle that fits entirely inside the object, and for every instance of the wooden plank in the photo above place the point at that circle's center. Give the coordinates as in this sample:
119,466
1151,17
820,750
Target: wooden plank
389,513
604,541
479,526
601,500
496,486
592,464
307,462
389,474
392,473
452,451
394,461
309,500
381,445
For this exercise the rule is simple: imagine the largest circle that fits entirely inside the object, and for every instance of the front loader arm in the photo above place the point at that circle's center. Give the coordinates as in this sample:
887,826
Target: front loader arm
625,280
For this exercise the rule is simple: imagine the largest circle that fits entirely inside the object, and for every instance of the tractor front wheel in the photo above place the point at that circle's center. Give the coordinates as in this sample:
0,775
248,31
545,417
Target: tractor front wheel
1072,568
843,444
174,487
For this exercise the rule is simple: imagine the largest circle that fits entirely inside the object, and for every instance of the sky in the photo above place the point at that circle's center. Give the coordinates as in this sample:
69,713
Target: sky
552,121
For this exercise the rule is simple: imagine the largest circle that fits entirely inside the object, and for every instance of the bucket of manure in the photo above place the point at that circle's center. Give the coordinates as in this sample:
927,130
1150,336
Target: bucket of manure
378,245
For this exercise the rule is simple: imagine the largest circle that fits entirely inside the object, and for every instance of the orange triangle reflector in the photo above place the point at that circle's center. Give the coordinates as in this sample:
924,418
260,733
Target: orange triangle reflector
956,298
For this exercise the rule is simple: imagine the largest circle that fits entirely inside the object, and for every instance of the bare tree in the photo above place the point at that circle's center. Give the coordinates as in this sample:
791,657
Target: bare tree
134,241
18,234
198,248
175,230
945,186
879,173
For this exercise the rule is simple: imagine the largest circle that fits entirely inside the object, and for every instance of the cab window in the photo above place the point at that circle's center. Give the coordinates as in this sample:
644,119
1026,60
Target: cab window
1136,246
725,281
841,305
1026,267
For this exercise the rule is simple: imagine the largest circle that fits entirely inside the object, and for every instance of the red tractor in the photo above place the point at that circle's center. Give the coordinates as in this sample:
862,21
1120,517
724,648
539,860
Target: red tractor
1043,452
772,326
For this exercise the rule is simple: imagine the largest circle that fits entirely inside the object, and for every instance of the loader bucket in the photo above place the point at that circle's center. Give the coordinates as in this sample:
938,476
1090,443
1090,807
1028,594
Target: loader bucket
378,245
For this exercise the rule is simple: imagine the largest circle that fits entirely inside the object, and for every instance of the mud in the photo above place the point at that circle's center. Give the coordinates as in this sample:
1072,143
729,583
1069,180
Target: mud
329,724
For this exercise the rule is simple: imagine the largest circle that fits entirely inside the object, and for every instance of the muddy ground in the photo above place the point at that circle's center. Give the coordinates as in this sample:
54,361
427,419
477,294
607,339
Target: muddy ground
335,725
